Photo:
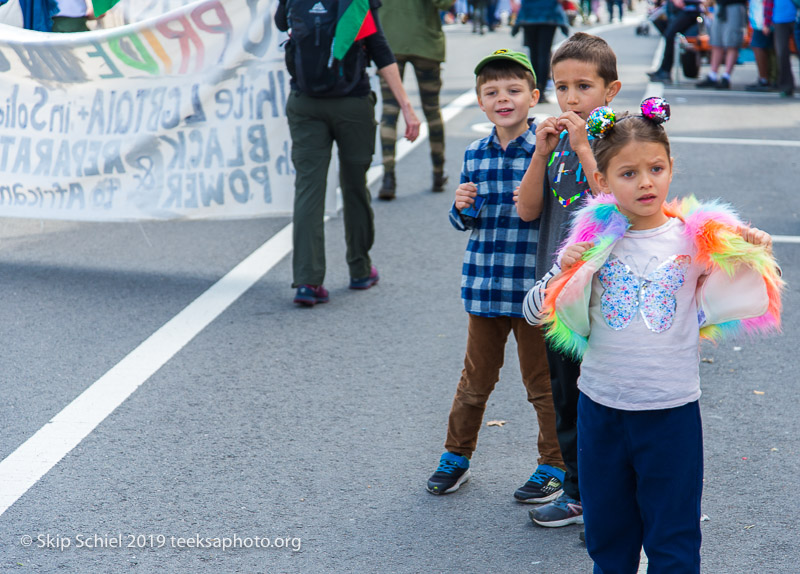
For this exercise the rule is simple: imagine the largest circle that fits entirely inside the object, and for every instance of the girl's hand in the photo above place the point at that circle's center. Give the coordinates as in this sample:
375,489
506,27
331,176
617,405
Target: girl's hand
574,253
465,194
757,237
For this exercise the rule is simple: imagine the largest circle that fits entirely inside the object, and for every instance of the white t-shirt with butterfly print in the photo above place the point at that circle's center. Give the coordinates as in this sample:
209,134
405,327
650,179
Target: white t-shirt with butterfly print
643,350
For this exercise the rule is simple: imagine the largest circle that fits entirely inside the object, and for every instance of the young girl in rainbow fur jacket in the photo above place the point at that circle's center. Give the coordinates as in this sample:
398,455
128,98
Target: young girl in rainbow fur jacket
640,281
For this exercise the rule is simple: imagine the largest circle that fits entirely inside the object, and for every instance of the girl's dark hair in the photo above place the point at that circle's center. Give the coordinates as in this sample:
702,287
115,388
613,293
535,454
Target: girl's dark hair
628,129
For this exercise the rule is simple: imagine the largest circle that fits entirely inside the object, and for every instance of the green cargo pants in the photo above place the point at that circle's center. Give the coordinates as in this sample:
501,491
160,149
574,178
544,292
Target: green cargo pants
314,124
63,24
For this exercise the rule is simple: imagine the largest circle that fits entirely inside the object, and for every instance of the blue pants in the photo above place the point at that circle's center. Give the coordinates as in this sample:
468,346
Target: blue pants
641,479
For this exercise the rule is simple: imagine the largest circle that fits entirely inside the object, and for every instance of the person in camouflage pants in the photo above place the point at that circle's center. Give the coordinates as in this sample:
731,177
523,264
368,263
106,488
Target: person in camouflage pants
414,31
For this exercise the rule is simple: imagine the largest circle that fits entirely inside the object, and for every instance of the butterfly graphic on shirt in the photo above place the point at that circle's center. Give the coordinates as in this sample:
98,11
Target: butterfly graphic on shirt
653,296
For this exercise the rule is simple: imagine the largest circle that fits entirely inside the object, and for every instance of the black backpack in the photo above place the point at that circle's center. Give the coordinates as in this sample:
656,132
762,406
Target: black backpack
312,25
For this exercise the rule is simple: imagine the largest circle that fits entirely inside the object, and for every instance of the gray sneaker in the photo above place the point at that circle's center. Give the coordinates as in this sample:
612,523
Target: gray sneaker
561,512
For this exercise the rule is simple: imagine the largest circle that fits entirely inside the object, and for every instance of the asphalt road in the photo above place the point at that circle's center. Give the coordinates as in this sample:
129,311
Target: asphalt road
314,430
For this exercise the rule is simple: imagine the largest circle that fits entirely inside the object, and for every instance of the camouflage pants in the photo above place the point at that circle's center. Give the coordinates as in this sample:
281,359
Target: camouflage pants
430,83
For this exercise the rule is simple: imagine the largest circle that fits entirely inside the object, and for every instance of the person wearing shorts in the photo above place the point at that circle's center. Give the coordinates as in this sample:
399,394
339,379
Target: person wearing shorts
726,37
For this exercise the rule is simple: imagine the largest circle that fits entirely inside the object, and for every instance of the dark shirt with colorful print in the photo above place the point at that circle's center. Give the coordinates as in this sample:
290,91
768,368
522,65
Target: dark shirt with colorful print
565,186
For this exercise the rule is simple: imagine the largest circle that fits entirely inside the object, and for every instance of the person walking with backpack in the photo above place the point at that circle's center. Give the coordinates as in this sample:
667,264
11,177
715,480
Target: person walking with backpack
330,45
414,31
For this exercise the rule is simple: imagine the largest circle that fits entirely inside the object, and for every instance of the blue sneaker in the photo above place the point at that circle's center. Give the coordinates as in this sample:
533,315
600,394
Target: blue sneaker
309,295
453,471
365,282
562,511
544,485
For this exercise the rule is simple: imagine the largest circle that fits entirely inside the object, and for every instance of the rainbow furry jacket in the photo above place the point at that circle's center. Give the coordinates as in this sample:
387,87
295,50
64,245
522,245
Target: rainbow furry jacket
741,293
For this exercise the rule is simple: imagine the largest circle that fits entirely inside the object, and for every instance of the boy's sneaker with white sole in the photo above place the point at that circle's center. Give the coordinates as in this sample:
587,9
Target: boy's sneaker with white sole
453,471
543,486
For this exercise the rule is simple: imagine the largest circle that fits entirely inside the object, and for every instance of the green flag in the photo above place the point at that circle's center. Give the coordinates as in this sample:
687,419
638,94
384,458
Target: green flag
102,6
355,23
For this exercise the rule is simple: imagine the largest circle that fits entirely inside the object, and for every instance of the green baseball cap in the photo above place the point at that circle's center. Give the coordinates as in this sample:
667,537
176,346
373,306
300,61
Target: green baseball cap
503,54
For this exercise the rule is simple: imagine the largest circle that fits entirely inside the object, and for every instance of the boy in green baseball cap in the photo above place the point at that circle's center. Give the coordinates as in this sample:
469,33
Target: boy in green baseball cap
510,55
497,272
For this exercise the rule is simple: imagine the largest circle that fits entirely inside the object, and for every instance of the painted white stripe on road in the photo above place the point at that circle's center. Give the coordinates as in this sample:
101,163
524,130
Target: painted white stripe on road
734,141
786,239
34,458
687,89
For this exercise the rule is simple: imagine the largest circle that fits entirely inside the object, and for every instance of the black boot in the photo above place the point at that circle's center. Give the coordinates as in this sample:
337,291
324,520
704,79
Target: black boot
387,191
439,181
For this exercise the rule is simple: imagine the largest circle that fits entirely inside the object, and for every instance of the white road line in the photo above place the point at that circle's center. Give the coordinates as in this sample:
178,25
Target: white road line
658,55
34,458
688,89
734,141
786,238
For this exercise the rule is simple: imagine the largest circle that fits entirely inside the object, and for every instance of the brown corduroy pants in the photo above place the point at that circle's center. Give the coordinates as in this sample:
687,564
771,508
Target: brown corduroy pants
486,343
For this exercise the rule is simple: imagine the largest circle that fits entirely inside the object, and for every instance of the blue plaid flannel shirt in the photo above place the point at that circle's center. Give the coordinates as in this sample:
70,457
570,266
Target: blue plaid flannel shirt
500,257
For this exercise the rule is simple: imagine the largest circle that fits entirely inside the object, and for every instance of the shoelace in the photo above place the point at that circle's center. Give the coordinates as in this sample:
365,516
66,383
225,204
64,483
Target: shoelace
447,466
539,478
564,502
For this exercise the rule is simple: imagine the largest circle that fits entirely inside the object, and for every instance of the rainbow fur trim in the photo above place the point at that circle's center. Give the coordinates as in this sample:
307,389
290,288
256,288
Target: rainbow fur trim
712,226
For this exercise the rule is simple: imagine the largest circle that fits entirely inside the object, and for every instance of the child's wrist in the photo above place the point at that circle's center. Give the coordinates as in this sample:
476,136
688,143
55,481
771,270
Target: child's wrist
582,149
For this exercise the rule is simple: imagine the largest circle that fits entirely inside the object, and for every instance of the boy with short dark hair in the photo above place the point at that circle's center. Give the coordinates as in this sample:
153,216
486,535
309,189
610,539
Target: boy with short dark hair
560,174
497,273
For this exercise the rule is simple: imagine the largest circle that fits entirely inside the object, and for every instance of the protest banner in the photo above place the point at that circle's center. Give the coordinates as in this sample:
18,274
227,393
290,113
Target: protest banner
178,116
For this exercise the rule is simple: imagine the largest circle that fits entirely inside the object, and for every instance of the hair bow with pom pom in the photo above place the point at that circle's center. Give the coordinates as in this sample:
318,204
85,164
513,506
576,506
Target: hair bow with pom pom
602,119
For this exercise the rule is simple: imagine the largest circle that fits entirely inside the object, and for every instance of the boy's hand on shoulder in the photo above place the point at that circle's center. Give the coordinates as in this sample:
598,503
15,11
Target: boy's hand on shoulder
576,127
547,136
757,237
574,253
465,194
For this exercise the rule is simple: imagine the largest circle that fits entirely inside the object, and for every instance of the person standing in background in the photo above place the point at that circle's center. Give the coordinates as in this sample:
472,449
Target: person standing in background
759,13
727,35
783,19
797,33
72,16
611,4
479,9
539,20
413,29
684,16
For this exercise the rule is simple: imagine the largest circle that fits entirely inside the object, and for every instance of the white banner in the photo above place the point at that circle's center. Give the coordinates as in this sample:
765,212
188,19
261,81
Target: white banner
179,116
